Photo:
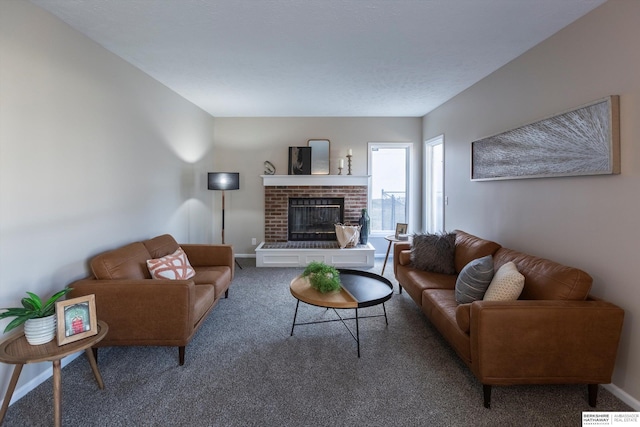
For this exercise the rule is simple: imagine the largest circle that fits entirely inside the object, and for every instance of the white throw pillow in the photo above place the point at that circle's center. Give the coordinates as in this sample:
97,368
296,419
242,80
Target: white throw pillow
174,267
506,285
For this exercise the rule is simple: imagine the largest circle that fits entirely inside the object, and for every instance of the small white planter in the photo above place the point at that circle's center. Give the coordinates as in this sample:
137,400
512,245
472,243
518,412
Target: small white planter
41,330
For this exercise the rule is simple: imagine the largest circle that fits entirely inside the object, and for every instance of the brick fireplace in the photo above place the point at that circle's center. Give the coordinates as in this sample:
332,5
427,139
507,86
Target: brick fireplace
278,189
276,205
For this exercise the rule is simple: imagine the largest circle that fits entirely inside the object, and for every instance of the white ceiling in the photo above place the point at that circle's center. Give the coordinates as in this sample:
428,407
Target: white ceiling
246,58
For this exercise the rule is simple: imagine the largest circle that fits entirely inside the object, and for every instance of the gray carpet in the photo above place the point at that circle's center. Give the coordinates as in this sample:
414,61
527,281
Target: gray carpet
243,369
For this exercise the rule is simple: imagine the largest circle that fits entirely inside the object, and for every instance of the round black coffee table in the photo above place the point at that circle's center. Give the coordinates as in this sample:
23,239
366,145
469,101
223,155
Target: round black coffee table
359,289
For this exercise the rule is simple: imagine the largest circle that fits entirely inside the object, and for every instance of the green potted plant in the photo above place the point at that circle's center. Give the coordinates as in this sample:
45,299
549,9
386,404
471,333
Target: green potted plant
39,318
322,277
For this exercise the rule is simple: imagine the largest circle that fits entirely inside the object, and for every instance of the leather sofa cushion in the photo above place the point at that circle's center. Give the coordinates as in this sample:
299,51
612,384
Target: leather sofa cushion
545,279
470,247
161,246
219,277
440,306
127,262
415,281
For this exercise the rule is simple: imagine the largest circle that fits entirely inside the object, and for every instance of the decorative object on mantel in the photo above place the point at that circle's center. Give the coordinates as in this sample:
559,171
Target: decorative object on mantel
39,318
269,168
583,141
349,155
365,223
341,166
299,160
322,277
320,149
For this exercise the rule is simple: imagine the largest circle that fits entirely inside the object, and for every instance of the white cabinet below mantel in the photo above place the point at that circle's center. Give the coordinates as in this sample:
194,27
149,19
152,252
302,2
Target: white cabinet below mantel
315,180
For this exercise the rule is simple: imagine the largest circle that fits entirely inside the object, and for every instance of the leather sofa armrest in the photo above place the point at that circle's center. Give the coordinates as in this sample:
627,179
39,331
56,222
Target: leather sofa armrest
398,257
544,341
142,310
210,255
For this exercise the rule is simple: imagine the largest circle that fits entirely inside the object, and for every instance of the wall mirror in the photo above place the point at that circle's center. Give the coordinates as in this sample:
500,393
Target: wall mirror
319,156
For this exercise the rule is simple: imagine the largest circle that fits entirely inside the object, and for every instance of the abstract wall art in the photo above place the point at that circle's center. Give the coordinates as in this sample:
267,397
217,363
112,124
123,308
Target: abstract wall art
583,141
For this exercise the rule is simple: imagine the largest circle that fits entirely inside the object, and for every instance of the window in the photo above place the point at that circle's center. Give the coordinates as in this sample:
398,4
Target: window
434,184
389,169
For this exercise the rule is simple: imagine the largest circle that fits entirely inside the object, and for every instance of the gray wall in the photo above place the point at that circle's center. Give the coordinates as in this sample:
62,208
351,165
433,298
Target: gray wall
93,154
587,222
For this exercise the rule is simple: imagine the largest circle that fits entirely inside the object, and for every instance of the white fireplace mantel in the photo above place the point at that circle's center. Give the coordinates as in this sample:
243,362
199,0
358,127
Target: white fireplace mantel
315,180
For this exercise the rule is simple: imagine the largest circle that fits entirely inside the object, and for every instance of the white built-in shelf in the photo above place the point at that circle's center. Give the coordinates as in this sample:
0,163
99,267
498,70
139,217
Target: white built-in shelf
313,180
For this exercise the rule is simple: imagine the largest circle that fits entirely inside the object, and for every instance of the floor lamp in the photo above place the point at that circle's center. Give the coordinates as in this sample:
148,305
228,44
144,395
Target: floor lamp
224,181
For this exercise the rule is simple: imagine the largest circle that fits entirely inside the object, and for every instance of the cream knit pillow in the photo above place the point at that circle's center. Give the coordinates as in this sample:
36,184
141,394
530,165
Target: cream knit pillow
506,285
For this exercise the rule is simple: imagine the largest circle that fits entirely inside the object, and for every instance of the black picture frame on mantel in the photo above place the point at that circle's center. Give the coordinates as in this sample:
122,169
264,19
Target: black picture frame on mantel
299,160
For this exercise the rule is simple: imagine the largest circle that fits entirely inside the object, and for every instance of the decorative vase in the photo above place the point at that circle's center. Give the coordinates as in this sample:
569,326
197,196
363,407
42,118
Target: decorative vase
365,223
41,330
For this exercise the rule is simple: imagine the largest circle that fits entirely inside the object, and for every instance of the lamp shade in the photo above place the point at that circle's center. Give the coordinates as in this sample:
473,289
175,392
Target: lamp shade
223,180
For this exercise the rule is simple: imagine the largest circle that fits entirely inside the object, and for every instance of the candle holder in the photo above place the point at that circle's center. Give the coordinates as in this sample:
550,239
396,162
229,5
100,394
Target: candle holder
349,163
339,170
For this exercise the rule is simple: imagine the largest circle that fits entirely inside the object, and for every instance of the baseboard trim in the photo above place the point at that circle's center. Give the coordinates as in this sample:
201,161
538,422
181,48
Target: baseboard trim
245,255
623,395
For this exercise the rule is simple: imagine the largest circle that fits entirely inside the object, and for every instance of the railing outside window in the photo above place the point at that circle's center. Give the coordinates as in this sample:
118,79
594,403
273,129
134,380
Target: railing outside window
392,209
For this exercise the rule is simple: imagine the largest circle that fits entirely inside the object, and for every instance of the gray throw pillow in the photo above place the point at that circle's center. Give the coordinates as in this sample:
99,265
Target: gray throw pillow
434,252
474,279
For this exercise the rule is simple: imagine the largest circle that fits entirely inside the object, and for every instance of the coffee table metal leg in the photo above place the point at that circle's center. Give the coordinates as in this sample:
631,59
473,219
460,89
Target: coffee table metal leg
294,317
358,332
385,314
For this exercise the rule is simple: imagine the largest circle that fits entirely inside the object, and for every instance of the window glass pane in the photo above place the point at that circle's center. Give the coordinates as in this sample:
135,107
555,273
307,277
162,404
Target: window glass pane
388,187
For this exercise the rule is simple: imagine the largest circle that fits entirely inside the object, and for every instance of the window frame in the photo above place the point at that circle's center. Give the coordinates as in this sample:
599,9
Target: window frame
408,147
428,217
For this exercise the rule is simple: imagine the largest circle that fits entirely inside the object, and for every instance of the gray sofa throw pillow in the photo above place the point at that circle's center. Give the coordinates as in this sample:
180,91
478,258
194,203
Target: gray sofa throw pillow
474,279
434,252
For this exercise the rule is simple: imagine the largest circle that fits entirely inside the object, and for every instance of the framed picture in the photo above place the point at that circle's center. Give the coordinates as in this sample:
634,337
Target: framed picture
299,160
76,319
400,229
583,141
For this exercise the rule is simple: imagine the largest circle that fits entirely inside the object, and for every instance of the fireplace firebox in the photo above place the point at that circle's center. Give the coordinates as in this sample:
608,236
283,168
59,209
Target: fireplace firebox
314,218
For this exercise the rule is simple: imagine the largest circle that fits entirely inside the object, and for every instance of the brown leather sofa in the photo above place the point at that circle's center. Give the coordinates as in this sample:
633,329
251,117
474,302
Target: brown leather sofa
555,333
142,311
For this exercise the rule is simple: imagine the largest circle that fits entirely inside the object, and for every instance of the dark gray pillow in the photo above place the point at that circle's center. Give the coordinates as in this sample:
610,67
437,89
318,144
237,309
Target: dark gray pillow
474,279
434,252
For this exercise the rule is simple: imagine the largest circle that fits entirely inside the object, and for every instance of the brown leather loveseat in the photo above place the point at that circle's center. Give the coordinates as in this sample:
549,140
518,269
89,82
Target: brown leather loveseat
554,333
142,311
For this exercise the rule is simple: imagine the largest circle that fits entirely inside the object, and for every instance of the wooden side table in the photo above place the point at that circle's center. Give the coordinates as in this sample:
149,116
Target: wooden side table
17,351
391,239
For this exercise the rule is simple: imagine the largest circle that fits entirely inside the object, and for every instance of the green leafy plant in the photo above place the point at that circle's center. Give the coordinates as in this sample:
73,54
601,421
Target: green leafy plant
32,308
322,277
